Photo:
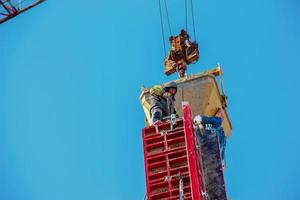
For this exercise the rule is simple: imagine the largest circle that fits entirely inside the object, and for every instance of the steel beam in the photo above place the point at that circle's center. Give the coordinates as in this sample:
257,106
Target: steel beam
13,12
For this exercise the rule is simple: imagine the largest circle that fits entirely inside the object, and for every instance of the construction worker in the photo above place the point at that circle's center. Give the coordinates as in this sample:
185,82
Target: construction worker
216,122
162,102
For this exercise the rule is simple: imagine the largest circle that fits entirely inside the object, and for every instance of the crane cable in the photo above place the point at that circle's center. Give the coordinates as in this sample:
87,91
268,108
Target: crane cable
162,28
186,15
194,29
193,17
168,20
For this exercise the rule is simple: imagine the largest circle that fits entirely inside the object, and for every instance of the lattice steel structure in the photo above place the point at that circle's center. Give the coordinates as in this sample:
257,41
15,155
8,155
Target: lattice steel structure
12,8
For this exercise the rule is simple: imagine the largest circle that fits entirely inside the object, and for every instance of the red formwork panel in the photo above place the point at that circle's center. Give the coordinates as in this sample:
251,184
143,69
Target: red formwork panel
169,153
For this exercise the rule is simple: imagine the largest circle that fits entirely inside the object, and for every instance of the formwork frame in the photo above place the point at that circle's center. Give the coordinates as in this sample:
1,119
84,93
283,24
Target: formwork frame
170,154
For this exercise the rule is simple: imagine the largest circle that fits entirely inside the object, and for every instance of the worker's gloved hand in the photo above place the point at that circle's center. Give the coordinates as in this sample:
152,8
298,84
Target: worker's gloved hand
167,94
198,124
198,120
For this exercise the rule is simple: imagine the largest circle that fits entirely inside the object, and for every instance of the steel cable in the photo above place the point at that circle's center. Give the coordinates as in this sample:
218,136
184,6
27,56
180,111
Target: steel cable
168,19
186,15
162,28
193,18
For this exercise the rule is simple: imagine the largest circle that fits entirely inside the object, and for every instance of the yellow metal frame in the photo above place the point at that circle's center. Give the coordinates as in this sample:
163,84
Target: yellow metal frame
201,90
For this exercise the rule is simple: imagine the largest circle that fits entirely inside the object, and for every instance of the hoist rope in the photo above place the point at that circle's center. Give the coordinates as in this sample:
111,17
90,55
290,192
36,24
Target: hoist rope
193,20
168,19
162,28
186,15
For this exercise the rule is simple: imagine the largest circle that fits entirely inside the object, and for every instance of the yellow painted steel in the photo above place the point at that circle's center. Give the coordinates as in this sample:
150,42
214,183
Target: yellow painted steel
202,92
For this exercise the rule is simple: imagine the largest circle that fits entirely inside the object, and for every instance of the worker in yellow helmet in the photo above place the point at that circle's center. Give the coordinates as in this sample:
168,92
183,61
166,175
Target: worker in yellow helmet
162,102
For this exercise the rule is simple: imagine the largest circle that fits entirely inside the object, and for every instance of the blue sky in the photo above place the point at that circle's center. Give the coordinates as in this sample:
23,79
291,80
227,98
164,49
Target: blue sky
70,78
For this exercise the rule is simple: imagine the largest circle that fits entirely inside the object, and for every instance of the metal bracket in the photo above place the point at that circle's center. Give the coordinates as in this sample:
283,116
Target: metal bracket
181,191
204,194
168,178
173,121
163,133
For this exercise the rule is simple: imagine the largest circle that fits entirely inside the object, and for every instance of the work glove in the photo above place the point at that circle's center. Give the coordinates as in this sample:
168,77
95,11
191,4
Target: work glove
167,95
198,120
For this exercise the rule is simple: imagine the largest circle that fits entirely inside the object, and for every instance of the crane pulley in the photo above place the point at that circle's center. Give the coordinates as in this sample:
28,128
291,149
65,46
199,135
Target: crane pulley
183,52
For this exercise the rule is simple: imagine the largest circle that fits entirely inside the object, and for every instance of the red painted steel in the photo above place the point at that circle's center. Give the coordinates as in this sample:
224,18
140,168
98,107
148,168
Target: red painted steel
12,8
194,154
170,153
